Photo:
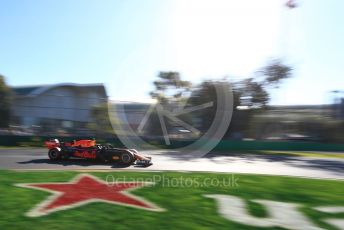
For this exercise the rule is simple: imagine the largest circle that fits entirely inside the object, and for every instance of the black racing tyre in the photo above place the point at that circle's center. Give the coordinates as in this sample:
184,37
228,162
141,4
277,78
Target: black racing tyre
54,154
127,158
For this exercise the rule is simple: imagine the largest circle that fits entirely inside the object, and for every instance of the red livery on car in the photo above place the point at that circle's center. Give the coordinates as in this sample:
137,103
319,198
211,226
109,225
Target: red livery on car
88,149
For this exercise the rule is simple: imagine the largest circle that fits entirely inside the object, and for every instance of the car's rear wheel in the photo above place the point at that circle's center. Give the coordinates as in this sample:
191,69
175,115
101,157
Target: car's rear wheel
54,154
127,158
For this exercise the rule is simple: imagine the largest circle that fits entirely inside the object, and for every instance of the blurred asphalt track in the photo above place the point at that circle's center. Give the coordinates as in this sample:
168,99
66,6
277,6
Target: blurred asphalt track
329,168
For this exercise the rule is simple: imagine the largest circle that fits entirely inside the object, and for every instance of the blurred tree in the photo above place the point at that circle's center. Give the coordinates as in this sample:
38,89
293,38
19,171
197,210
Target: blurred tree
274,72
250,97
205,93
253,94
5,103
172,93
100,120
254,91
170,88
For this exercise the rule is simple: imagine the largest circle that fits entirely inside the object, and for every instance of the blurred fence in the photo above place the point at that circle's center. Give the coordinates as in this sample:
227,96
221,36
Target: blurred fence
224,145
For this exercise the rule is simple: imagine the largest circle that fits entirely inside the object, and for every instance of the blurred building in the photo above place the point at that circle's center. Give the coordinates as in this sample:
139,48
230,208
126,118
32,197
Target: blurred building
295,122
131,113
65,105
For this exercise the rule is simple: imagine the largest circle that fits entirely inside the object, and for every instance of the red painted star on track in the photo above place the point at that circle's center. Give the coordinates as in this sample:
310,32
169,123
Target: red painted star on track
85,189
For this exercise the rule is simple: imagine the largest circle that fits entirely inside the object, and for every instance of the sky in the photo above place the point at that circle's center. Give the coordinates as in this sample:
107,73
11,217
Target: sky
125,43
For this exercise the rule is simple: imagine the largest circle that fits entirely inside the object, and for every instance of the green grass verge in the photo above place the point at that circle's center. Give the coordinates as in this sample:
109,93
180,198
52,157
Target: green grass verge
186,207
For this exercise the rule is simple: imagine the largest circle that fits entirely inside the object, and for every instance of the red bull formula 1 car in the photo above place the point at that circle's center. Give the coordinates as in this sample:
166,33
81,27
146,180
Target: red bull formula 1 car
88,149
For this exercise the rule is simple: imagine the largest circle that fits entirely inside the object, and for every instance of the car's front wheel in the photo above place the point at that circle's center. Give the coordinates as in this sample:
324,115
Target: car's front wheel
54,154
127,158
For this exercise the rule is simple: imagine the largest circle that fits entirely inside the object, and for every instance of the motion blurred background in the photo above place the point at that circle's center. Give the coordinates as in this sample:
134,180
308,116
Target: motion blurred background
64,64
150,72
